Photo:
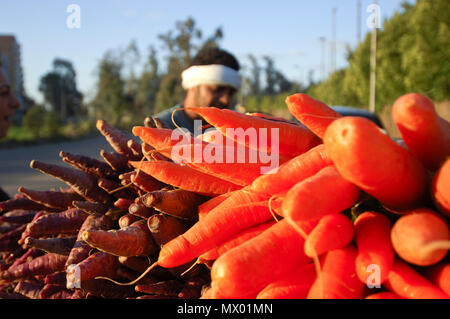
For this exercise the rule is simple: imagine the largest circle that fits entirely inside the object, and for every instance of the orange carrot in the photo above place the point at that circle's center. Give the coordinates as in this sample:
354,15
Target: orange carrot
270,117
332,232
408,283
425,133
88,164
161,139
207,206
83,183
337,279
324,193
421,237
217,226
314,114
134,240
440,188
439,275
292,172
370,159
235,241
240,166
246,269
384,295
292,139
294,285
373,239
175,175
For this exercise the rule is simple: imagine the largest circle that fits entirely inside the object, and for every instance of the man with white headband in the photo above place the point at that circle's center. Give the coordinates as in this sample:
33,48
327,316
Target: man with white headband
212,79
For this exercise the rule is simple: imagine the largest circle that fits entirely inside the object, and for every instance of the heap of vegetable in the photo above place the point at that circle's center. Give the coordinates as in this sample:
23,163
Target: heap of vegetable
349,213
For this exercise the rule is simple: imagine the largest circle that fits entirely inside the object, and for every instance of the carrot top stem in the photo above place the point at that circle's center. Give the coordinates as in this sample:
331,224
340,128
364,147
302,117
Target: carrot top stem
134,281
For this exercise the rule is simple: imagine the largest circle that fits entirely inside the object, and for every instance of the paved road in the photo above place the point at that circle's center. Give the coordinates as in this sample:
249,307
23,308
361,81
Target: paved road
15,168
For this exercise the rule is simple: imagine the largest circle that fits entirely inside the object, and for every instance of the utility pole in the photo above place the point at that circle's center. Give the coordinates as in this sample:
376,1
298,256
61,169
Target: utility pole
333,42
322,67
373,60
358,22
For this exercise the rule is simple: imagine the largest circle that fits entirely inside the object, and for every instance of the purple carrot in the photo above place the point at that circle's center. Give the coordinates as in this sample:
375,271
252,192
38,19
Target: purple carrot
51,199
57,278
116,189
116,139
133,240
18,216
66,222
42,265
83,183
96,265
92,208
81,249
29,289
117,161
21,203
141,210
88,164
55,245
49,289
135,147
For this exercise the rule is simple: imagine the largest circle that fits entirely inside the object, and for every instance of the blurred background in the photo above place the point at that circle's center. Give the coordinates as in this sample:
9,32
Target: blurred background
73,62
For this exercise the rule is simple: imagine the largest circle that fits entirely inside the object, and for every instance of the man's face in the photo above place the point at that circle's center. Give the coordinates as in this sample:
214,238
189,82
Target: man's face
205,95
8,104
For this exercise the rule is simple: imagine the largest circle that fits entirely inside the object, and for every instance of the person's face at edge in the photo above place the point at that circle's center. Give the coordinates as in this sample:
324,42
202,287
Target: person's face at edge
8,104
207,95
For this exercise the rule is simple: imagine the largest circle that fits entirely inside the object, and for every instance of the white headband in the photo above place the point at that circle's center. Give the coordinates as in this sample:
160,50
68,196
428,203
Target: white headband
210,74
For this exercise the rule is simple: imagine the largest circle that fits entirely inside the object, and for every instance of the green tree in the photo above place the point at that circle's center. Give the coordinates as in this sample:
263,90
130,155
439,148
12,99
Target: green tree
148,84
110,102
60,90
413,55
33,120
181,45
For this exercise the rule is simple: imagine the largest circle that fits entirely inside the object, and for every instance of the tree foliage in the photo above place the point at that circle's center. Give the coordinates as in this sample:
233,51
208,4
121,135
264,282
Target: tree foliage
60,91
413,55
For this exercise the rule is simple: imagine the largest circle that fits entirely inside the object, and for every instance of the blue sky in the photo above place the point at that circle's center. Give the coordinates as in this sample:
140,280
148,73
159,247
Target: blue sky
286,30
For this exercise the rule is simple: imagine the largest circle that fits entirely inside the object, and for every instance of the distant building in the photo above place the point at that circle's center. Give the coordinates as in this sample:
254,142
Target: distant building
10,60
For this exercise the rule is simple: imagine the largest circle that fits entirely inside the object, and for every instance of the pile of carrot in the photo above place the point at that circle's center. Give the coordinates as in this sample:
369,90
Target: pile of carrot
349,212
106,227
